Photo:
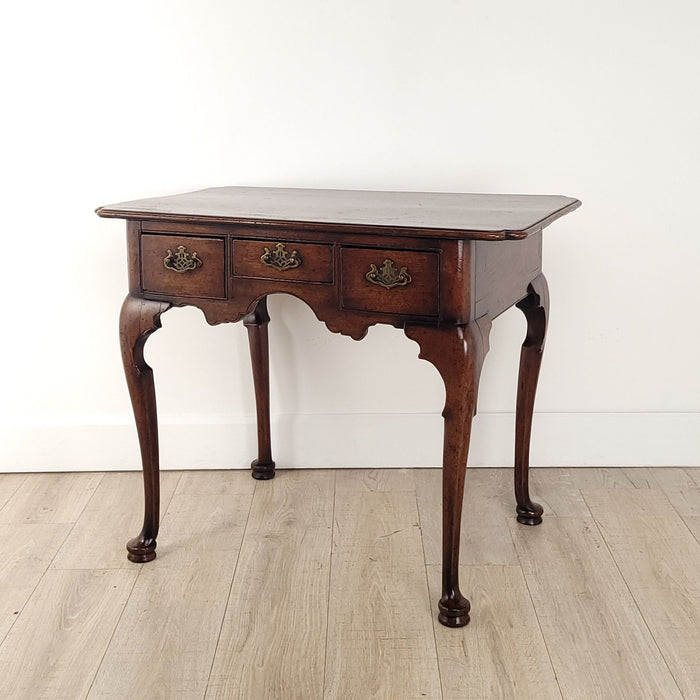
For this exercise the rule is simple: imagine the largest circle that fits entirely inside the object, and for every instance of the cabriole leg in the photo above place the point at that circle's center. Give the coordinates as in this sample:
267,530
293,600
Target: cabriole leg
458,354
535,306
138,319
256,322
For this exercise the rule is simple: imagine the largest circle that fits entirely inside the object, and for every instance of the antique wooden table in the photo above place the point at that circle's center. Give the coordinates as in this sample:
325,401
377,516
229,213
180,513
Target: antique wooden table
439,266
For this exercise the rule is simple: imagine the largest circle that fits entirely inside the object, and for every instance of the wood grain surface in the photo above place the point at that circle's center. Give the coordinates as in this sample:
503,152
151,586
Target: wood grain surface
479,216
380,640
50,498
26,550
597,638
9,483
488,506
333,593
502,653
659,559
273,638
164,644
57,643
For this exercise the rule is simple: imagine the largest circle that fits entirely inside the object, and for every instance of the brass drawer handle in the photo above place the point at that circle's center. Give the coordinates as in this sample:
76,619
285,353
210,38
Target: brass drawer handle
388,275
181,261
280,259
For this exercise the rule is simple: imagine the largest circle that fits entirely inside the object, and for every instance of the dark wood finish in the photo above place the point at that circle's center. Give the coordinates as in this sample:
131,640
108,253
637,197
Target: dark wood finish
138,319
464,271
133,253
535,306
316,261
256,323
502,272
353,237
209,280
458,354
440,214
418,298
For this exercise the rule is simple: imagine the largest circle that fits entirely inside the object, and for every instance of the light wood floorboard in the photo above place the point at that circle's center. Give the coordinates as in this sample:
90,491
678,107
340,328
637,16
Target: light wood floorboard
694,526
488,505
316,585
376,479
56,645
686,501
9,483
273,639
597,639
658,478
599,478
50,498
380,635
164,644
680,486
660,561
501,653
559,489
26,550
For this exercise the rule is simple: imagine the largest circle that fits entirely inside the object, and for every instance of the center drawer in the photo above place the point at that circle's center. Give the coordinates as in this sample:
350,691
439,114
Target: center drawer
282,260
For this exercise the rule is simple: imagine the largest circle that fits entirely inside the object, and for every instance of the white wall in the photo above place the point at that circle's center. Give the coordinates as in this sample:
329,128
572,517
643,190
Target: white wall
111,101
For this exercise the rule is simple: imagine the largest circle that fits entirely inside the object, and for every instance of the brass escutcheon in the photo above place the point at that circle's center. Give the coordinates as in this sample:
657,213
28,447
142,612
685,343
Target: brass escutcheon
280,259
388,275
181,261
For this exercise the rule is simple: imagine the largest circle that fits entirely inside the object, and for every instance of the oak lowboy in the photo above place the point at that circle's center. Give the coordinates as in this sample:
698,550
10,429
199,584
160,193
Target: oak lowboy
440,266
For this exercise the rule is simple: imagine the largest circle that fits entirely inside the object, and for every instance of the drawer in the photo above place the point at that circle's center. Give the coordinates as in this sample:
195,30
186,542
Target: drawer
283,260
390,281
183,266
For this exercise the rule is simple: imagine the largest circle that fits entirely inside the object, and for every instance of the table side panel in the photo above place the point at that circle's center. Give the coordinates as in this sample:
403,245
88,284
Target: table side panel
502,272
133,255
456,282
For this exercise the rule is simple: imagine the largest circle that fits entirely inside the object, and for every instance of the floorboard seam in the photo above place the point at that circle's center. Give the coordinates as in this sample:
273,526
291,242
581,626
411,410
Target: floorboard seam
330,574
427,585
128,598
48,566
693,473
114,630
230,588
17,488
634,598
534,608
74,523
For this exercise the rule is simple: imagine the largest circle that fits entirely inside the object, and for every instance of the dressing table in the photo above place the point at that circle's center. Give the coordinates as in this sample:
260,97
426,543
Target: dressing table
440,266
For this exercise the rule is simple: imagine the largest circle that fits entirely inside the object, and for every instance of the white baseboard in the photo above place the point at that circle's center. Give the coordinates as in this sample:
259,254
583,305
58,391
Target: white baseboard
354,440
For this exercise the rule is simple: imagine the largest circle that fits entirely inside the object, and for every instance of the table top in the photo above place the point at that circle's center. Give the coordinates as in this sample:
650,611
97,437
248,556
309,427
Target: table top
440,214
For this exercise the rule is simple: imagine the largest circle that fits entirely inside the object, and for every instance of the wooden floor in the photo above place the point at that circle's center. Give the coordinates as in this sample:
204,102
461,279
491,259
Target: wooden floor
323,584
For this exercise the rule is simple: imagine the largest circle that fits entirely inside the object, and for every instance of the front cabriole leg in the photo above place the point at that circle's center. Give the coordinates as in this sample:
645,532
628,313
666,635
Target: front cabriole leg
535,306
458,354
138,319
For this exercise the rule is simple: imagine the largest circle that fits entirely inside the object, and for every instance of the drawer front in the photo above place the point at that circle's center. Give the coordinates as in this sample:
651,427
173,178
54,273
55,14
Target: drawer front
283,260
183,266
390,281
